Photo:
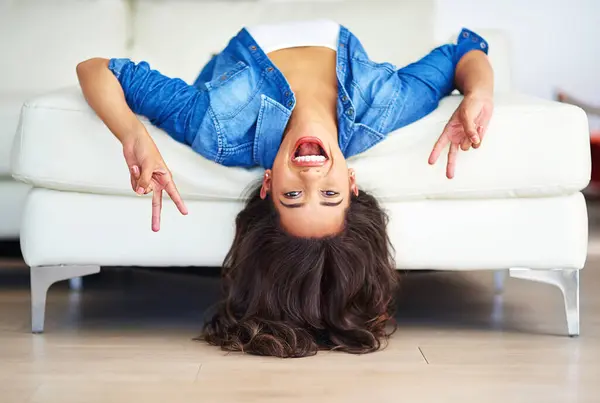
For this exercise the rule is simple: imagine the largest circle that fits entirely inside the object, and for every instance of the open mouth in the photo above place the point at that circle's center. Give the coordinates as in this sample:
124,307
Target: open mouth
309,152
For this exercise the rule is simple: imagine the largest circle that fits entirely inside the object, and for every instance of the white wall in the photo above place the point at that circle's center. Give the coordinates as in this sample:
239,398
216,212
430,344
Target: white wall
555,43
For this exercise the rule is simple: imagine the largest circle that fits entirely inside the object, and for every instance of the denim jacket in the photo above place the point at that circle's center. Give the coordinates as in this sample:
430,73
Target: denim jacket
236,111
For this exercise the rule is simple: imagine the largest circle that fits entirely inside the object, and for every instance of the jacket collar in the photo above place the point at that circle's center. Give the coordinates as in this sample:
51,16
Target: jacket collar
270,126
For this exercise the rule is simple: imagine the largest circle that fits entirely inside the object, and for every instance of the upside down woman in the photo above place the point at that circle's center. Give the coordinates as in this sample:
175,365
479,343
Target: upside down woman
311,266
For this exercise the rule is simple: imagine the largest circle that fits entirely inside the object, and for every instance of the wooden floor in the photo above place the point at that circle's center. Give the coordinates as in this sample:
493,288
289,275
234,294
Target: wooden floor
127,337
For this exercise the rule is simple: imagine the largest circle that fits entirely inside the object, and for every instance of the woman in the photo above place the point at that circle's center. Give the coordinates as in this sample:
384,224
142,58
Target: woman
311,265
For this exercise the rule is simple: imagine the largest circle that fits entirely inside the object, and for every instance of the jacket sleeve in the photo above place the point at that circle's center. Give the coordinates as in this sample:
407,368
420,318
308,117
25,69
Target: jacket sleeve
169,103
421,85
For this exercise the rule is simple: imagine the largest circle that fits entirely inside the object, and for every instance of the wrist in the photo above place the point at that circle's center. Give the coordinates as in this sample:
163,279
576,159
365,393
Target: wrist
134,135
480,93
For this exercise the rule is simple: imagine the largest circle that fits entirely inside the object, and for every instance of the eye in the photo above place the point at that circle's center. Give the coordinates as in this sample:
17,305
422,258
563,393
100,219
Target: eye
292,195
330,193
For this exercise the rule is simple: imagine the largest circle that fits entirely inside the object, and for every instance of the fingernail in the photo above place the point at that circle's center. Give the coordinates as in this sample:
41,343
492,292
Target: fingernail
140,190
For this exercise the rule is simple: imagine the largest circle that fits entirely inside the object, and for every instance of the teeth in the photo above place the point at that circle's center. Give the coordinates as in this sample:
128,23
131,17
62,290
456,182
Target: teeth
310,158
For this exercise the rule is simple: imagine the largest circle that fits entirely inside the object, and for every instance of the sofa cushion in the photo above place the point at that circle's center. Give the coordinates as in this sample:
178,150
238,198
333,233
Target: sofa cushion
41,42
399,31
533,148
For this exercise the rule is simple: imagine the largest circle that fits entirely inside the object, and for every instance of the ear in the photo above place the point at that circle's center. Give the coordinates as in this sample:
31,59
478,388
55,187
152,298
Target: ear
266,184
352,179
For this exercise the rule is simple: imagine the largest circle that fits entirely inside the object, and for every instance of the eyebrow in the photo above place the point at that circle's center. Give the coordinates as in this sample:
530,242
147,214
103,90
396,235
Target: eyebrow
298,205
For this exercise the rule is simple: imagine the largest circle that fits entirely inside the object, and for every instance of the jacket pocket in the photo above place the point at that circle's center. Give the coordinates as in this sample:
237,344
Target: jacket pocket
232,91
227,76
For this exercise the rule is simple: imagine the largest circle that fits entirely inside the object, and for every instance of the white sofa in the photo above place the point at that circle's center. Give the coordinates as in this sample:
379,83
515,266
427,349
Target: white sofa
515,204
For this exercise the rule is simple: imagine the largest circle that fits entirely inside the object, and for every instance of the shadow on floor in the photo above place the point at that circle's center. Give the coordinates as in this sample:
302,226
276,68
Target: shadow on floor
147,298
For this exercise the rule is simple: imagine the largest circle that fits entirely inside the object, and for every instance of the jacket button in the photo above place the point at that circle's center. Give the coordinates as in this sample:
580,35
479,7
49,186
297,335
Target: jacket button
269,69
350,112
344,98
252,47
465,34
287,94
482,45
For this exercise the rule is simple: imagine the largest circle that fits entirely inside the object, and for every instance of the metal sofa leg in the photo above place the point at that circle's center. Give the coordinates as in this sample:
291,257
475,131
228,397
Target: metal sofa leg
567,281
42,277
76,284
499,280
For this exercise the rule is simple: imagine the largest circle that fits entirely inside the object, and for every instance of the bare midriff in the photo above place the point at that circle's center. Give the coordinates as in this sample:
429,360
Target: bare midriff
311,72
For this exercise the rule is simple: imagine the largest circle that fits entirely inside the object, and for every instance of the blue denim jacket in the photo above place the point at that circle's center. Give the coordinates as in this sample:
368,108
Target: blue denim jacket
236,111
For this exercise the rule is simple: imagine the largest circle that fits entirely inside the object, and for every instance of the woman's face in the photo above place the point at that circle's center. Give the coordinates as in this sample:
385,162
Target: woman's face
310,183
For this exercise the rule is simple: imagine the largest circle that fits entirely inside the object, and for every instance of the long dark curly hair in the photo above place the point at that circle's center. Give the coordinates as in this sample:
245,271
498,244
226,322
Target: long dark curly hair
287,296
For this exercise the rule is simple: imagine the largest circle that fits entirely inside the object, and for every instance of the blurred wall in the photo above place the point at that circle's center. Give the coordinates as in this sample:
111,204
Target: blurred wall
555,43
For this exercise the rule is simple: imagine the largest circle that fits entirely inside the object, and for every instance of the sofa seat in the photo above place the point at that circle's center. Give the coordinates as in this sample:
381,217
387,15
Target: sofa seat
62,145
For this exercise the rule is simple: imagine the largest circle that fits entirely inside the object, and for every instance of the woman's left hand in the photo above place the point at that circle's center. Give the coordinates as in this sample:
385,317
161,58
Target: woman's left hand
465,129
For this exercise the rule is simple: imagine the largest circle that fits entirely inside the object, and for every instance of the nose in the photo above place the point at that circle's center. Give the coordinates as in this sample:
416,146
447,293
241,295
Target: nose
310,172
311,175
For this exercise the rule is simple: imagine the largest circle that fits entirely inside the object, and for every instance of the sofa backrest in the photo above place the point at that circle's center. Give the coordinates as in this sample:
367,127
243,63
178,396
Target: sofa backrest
178,37
42,41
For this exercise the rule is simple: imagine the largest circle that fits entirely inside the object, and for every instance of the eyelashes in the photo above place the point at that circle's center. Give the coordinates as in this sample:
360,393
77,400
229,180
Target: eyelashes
292,194
297,193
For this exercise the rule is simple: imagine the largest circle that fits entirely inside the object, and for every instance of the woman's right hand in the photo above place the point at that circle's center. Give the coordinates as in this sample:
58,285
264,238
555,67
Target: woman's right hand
149,173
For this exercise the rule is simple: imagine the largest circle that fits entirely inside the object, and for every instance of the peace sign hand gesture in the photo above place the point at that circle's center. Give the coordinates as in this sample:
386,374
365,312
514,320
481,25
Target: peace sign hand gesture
465,129
149,173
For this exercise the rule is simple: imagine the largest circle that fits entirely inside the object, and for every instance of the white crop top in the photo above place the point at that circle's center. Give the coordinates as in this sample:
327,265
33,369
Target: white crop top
272,37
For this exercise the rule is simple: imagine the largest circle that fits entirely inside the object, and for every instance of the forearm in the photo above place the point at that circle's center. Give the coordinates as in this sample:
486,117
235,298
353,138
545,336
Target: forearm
104,94
474,74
